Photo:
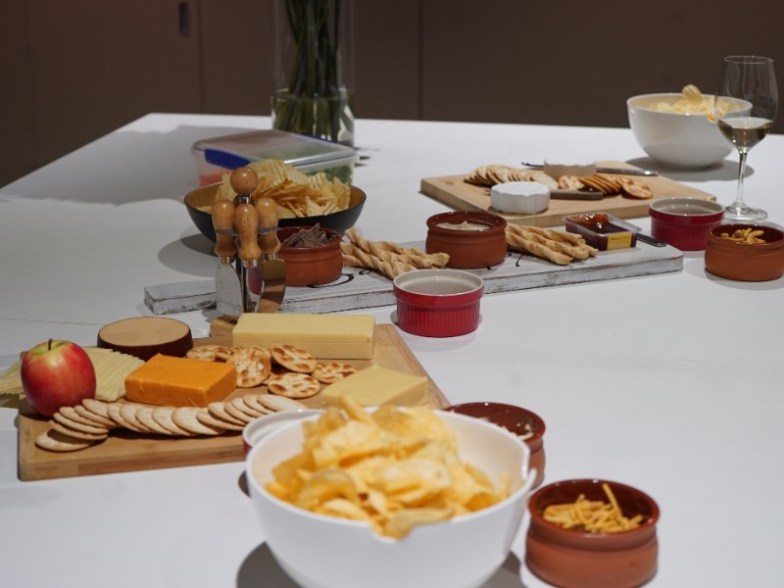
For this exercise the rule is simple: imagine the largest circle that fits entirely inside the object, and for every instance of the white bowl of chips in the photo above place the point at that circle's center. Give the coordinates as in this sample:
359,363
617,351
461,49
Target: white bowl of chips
403,545
679,130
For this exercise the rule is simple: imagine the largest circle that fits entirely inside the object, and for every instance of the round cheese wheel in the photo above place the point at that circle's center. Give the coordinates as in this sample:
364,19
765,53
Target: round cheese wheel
144,337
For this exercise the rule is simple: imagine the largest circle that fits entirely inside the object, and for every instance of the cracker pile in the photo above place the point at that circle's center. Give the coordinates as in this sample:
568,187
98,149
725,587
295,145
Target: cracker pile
496,173
289,373
559,247
286,370
78,427
389,259
609,185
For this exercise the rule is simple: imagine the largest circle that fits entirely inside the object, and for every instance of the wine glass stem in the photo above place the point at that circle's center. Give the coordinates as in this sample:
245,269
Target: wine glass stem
739,204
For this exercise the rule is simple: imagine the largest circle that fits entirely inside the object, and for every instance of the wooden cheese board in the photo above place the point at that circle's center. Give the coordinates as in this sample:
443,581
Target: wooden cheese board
126,451
454,192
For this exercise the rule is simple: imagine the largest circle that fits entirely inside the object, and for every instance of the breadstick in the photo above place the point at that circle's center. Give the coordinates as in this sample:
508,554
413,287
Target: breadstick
354,256
574,251
537,249
564,236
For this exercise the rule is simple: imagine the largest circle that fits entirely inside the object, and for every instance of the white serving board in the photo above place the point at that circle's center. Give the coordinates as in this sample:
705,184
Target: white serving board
358,288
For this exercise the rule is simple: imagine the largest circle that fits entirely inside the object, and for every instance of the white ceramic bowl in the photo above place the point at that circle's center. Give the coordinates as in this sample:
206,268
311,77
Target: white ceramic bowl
683,141
255,430
318,551
520,197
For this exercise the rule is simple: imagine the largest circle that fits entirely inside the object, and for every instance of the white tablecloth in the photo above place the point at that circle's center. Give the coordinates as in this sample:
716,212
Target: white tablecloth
669,383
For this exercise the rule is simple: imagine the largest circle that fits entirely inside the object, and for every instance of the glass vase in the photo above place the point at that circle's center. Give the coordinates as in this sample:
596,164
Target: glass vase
312,69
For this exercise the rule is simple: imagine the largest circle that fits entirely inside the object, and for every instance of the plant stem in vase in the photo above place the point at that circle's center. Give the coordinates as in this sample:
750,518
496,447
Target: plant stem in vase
311,66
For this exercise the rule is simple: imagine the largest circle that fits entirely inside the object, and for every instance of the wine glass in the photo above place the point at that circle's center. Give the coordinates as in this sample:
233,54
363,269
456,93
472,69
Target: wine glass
748,78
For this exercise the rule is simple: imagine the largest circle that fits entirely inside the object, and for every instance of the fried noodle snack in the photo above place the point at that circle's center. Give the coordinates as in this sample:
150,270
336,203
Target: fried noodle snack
747,235
394,469
594,516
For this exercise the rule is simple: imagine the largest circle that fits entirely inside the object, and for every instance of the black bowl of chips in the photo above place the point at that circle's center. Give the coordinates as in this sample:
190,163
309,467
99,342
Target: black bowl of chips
199,205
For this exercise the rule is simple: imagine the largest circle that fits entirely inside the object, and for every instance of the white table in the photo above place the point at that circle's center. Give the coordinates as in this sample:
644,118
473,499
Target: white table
669,383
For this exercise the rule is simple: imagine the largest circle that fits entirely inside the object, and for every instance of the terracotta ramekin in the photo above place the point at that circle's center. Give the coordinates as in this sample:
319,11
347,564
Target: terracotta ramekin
745,262
311,266
518,421
578,559
438,302
480,242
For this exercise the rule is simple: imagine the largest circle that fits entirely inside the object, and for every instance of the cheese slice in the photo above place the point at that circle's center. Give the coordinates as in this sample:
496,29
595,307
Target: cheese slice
376,385
326,336
179,381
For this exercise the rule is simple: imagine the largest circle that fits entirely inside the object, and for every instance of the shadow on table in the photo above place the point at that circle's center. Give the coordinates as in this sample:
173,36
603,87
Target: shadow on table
145,166
260,569
723,171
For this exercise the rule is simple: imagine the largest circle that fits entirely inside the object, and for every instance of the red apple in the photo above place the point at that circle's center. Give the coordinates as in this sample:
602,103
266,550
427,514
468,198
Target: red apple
55,374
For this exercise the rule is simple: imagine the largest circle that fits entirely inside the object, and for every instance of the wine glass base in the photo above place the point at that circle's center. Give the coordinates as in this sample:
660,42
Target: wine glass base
744,213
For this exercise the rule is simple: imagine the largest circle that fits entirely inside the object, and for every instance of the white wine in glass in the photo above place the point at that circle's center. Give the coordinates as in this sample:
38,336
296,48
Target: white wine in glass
748,79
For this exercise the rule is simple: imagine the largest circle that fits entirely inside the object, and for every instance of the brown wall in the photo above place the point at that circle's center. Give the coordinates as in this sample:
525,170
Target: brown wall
73,71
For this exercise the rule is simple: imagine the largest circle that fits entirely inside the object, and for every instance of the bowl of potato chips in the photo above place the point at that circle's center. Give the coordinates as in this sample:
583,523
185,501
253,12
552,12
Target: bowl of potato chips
389,497
679,130
302,199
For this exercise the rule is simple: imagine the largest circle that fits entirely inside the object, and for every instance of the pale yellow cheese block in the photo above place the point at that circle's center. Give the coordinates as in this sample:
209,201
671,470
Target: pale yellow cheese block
326,336
376,386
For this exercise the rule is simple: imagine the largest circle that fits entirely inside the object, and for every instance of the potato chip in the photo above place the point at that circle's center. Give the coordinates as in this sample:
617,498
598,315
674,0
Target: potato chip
395,468
297,195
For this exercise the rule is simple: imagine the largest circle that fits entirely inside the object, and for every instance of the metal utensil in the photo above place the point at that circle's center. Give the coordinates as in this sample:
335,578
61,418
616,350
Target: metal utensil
645,238
273,269
631,171
228,292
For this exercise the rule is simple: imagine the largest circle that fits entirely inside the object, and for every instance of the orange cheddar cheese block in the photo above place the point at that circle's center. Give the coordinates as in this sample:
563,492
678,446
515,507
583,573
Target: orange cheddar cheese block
179,381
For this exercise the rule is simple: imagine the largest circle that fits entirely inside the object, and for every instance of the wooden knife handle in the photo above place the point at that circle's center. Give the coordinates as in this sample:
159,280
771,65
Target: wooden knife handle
243,181
246,222
223,222
268,219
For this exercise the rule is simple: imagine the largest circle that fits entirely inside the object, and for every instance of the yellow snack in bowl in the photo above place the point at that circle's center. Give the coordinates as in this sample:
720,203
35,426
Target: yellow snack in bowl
395,468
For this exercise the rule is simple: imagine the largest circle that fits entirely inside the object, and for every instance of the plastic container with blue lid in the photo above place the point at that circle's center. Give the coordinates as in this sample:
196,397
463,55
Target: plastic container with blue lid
218,155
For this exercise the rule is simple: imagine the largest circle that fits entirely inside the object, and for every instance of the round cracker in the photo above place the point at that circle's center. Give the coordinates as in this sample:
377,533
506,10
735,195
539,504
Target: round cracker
209,419
253,366
293,358
163,416
65,418
186,418
218,410
279,403
238,414
98,407
52,440
144,415
293,385
82,410
117,417
76,433
240,404
252,401
331,372
129,410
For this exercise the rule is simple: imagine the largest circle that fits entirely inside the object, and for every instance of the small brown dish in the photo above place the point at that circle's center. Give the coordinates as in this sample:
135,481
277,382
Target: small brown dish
573,558
311,265
519,421
745,261
472,239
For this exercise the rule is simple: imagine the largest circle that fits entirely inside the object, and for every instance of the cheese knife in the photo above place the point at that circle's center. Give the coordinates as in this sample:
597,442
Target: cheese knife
628,171
273,269
228,293
246,224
